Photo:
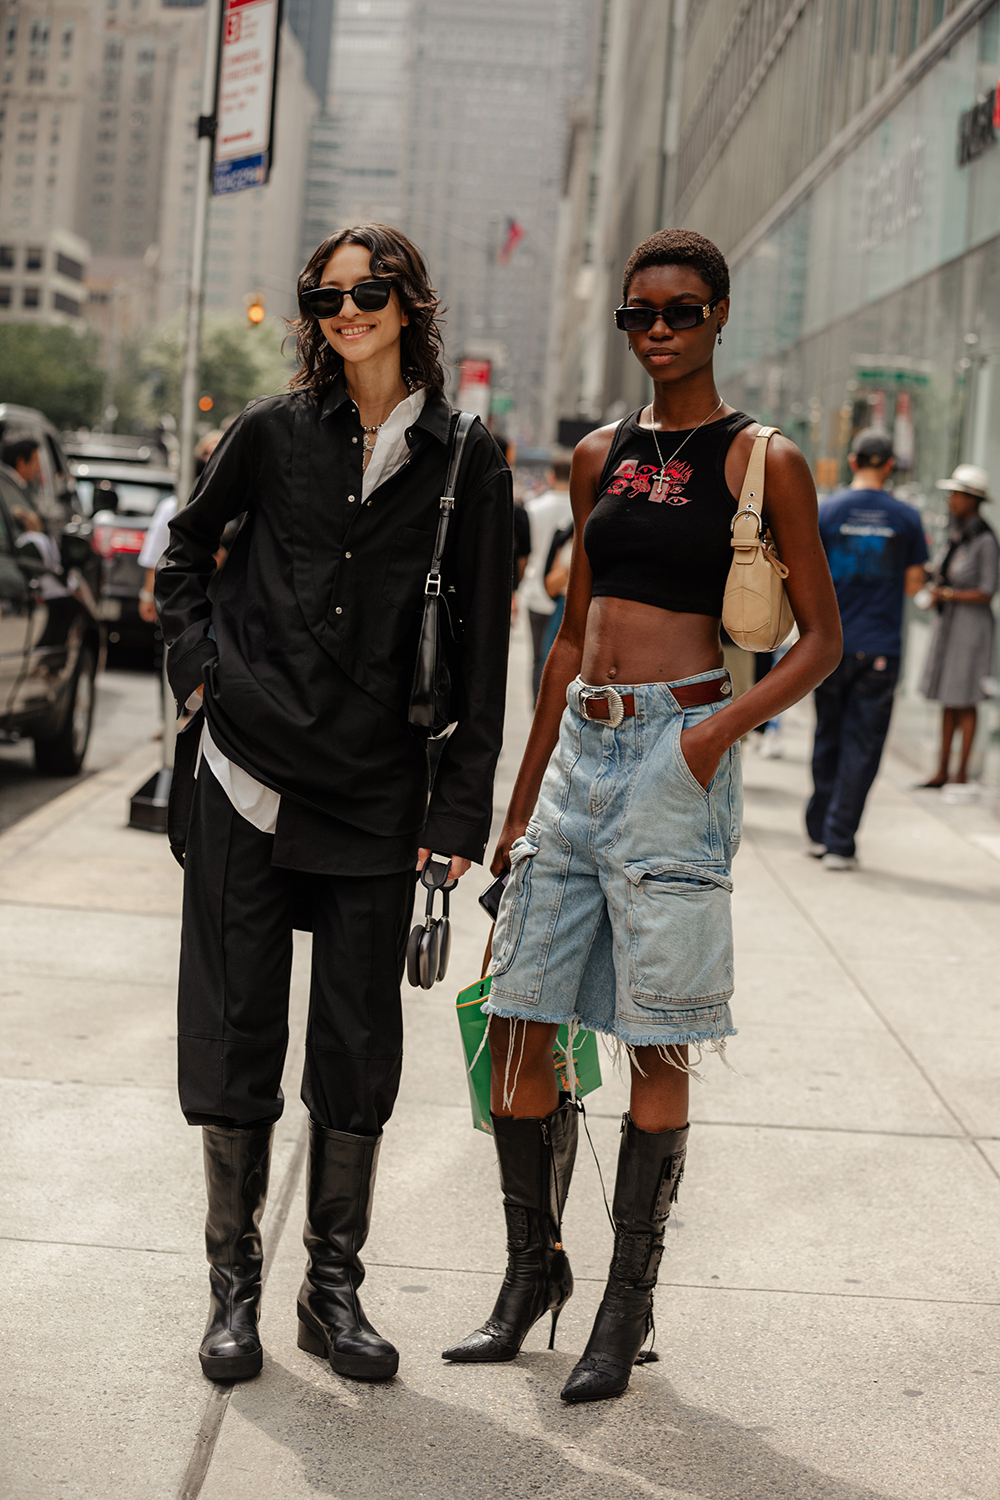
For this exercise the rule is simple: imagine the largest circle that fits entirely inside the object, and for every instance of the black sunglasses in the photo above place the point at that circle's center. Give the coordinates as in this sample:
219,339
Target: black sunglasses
679,315
367,296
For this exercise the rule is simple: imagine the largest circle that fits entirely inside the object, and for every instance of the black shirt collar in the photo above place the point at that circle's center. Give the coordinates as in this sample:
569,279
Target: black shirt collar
434,418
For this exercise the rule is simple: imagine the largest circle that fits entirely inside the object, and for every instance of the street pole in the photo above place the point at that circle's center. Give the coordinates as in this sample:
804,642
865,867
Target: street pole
148,807
196,277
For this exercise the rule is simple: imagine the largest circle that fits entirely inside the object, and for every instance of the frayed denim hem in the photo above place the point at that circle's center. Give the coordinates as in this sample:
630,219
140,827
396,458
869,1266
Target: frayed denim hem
704,1042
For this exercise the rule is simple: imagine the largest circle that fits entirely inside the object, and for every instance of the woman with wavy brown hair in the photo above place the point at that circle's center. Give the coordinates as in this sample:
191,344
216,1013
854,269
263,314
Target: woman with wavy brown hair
311,804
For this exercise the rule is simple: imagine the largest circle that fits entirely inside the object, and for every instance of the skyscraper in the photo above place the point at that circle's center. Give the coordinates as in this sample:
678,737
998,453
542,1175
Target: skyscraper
489,97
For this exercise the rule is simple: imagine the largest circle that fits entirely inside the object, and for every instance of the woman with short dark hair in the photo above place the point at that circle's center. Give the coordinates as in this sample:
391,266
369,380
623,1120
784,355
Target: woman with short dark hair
311,802
627,809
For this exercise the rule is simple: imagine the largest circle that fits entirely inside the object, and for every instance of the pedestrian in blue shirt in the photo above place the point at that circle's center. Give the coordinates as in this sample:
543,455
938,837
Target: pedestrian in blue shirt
876,549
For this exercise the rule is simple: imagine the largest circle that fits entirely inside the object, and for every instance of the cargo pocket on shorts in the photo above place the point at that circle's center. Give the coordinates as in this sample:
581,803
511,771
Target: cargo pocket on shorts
680,933
513,905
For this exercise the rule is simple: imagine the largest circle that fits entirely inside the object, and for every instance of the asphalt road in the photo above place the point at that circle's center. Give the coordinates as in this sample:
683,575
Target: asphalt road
127,715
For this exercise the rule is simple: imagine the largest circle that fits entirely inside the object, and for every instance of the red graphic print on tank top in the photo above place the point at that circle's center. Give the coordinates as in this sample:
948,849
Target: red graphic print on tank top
632,479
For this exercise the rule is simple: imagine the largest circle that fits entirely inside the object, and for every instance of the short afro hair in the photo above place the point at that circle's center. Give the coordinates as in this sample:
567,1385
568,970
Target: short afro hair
680,247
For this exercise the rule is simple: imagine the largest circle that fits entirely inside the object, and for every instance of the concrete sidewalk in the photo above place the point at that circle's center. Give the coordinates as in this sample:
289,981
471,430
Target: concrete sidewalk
829,1309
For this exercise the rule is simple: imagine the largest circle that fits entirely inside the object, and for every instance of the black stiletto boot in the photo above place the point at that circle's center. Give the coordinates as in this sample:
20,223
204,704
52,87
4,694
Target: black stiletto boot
536,1163
332,1324
650,1167
237,1163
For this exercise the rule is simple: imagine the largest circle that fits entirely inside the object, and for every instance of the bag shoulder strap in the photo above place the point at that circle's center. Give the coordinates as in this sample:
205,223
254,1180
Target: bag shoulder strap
746,524
456,448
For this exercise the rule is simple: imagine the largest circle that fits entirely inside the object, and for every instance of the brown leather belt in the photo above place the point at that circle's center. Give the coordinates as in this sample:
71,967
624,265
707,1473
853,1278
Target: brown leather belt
602,703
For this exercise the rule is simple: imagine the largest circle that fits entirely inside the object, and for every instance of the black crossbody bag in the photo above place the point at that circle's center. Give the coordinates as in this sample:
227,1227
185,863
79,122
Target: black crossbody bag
432,695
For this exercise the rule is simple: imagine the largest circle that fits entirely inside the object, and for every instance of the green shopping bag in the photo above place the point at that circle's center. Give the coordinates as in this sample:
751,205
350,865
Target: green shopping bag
472,1024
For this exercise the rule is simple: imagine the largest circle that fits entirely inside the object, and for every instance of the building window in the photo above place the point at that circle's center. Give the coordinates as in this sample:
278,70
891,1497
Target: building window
65,304
39,37
36,75
68,267
34,258
8,257
5,297
31,297
67,41
11,38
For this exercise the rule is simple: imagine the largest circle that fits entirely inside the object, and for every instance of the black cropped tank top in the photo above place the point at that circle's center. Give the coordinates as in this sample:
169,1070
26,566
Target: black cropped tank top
666,545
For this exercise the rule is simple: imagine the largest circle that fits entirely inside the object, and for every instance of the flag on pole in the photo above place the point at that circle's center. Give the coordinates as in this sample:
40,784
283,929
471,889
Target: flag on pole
513,236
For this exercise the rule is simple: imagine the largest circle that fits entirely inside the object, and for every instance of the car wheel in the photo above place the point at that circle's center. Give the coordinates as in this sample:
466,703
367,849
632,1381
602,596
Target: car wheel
62,754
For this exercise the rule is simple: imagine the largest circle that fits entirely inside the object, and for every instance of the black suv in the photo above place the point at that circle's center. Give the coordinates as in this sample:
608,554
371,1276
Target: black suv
50,637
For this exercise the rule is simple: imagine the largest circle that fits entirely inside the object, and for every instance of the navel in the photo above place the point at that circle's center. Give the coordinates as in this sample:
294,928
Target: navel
612,672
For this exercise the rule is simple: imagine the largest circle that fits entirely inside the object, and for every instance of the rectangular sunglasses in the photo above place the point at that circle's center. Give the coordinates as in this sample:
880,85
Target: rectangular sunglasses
680,315
367,296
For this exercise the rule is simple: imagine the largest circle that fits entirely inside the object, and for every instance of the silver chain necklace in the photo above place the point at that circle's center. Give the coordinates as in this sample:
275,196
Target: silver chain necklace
661,478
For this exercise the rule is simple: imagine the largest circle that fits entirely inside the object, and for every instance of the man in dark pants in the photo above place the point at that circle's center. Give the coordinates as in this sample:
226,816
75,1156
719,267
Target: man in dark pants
876,549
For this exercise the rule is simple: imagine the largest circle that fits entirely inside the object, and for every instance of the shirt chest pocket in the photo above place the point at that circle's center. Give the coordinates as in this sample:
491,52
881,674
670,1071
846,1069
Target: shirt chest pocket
407,568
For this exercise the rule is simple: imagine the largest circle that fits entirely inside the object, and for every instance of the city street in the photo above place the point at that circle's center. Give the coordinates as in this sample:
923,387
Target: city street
828,1317
126,715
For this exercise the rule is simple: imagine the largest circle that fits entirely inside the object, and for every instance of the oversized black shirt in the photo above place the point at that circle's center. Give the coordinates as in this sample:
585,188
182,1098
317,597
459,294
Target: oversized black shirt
306,640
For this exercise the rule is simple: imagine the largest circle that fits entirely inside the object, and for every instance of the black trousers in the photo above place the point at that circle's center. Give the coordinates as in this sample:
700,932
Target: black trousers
236,957
853,709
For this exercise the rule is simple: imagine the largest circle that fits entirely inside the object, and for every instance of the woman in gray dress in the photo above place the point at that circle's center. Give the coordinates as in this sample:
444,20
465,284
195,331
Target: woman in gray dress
962,649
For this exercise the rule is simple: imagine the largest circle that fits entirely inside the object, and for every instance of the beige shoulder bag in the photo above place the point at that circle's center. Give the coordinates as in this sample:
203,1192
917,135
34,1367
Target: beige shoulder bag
755,610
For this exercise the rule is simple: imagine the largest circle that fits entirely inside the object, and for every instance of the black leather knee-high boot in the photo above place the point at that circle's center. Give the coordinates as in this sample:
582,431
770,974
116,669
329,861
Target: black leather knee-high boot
650,1167
331,1321
536,1163
237,1163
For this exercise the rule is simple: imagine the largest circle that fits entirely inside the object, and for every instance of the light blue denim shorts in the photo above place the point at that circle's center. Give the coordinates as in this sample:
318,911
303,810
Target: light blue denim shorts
617,911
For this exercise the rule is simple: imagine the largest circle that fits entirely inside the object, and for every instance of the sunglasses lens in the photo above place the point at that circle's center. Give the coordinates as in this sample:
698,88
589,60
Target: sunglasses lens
324,302
372,296
635,319
682,317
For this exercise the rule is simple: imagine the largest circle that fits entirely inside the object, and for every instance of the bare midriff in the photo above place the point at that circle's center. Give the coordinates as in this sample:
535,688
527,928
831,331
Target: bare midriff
628,643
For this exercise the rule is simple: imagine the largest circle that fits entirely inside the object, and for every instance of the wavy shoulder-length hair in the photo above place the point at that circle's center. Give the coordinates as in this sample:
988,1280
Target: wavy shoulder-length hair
392,254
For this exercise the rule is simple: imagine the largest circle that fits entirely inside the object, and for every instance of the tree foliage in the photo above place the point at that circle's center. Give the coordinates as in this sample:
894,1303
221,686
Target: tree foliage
52,368
237,364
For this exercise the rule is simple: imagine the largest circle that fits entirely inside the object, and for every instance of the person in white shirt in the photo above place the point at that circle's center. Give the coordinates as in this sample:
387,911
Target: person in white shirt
549,512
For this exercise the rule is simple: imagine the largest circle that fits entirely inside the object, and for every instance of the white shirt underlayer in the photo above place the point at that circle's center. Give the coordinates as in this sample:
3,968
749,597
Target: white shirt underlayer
253,801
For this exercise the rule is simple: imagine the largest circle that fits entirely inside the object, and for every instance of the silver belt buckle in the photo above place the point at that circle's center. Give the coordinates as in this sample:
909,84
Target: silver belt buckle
611,696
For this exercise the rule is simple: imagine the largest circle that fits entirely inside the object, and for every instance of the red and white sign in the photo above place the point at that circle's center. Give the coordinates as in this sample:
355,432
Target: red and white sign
474,387
247,71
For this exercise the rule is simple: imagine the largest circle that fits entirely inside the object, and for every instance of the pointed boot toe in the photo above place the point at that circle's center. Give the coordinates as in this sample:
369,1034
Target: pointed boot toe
596,1380
484,1347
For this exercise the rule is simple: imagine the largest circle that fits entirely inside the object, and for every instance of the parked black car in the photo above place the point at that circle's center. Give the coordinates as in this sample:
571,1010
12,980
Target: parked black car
51,639
120,500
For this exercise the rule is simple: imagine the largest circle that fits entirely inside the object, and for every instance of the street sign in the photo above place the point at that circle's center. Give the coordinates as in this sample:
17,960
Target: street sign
248,76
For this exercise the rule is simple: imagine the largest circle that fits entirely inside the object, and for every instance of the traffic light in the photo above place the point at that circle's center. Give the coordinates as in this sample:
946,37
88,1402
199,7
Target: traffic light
256,311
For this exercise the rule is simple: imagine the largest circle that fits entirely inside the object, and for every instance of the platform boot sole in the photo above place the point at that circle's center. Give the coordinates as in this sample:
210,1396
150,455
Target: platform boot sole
313,1340
223,1367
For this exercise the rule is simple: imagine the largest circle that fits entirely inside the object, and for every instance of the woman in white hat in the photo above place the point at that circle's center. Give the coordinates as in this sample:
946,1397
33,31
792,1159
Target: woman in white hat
962,647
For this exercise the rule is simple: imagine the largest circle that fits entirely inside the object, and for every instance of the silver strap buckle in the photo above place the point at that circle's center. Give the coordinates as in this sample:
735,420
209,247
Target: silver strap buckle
611,696
433,585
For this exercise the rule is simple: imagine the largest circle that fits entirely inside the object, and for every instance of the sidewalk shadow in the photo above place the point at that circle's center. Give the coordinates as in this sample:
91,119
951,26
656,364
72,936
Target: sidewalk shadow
372,1442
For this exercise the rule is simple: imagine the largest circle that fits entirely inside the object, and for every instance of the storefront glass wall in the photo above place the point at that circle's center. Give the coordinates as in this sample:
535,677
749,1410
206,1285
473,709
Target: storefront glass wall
877,301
